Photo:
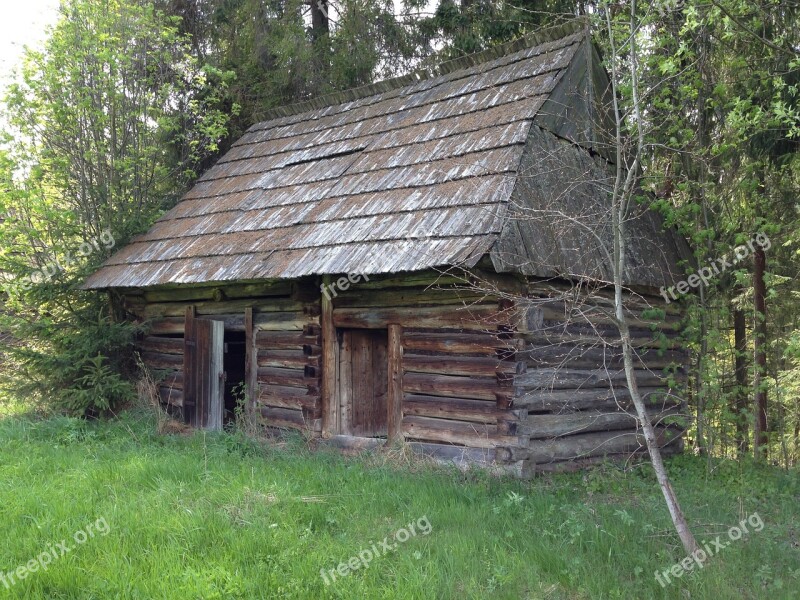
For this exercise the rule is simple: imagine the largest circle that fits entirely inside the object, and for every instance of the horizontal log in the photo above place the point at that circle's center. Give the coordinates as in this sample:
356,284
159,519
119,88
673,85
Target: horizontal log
565,378
453,365
461,409
586,357
450,386
528,315
158,360
457,454
358,296
288,397
173,380
165,345
478,317
285,340
283,321
551,426
595,444
166,326
565,401
285,377
421,279
288,359
204,292
283,418
624,460
176,309
458,343
351,443
473,435
601,296
171,396
608,336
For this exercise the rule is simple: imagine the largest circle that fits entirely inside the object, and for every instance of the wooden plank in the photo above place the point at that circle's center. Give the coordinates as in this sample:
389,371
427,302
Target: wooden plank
457,454
359,297
473,435
330,404
285,377
571,400
344,382
445,385
284,321
210,344
250,367
395,398
196,292
551,426
460,409
458,343
156,360
564,378
286,340
167,325
288,359
171,396
588,357
479,317
189,369
287,397
457,365
165,345
283,417
174,309
596,444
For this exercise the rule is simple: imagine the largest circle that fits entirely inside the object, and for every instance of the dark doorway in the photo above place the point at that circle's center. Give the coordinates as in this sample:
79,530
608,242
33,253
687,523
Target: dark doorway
363,382
233,364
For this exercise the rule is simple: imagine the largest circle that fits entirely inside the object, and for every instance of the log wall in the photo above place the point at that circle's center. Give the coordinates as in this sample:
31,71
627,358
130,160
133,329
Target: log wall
571,391
520,376
286,340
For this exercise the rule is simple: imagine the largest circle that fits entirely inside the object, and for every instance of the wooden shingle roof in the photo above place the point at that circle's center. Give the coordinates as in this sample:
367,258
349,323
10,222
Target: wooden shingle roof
400,176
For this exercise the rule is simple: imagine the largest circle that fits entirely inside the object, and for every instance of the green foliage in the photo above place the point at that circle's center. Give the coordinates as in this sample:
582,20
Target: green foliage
110,122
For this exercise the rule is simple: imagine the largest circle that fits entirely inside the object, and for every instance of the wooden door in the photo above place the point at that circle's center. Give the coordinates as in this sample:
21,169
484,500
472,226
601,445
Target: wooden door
204,384
363,382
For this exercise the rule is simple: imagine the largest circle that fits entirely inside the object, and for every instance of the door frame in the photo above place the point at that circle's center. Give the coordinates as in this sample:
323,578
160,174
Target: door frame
331,402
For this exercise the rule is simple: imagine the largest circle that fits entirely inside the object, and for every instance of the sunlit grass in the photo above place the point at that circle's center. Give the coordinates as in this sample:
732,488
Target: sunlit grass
218,516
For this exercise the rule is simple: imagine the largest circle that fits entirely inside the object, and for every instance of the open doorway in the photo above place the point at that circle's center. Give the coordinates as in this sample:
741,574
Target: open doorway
233,364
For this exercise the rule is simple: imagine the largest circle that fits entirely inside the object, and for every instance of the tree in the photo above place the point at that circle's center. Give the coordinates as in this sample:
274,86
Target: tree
111,122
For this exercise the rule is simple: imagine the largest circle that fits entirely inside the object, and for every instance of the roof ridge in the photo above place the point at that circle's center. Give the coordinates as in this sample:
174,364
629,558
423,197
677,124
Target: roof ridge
530,40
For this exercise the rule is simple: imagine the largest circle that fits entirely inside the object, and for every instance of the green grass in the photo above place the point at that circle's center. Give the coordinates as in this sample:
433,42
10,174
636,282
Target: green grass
217,516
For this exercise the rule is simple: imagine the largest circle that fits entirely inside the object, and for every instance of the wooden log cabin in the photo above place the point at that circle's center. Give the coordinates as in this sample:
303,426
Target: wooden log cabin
421,260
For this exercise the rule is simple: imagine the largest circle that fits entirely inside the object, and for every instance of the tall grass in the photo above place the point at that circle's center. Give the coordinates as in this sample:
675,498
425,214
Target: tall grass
219,516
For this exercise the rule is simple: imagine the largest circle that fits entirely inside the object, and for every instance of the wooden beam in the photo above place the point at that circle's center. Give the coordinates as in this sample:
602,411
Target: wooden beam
395,394
330,405
189,382
250,367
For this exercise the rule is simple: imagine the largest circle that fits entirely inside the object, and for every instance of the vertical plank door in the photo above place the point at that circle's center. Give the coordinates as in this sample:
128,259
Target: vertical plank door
364,382
203,372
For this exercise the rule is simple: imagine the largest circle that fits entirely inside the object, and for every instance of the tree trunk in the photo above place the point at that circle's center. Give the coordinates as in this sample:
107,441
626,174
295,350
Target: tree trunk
320,23
739,407
624,186
760,354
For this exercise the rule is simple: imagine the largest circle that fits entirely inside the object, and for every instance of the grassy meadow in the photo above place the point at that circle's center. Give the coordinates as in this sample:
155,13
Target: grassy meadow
219,516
